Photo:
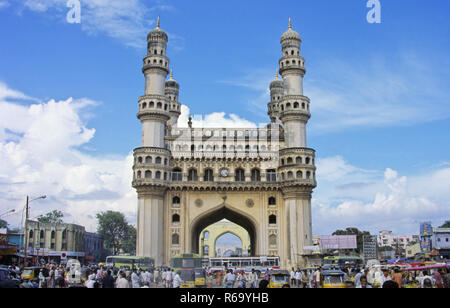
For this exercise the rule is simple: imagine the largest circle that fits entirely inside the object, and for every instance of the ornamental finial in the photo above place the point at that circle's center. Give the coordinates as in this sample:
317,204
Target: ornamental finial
276,73
290,23
171,73
157,23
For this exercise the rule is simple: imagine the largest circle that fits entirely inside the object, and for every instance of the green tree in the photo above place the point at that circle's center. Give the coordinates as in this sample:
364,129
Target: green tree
54,217
446,224
354,231
3,224
129,244
114,229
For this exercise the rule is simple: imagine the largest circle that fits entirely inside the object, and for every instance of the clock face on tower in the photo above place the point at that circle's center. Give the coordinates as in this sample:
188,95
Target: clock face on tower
224,173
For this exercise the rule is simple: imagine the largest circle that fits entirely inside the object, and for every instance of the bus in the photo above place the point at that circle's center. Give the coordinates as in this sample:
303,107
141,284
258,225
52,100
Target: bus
344,261
186,261
259,264
130,262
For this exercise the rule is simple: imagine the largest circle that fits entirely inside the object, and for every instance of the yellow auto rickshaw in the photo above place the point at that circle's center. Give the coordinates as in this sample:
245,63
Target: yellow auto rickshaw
32,273
333,279
188,277
200,278
278,279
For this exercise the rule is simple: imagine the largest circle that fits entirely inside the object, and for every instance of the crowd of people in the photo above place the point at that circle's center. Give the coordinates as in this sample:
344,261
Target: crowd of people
94,276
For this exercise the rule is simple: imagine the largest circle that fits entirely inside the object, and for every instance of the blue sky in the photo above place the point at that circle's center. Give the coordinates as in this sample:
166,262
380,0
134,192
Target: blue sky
379,92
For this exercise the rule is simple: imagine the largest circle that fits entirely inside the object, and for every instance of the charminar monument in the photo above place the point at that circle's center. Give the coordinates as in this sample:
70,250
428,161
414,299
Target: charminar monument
190,178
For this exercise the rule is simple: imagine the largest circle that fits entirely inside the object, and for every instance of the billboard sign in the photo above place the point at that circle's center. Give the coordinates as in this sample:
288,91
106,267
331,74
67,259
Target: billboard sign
370,247
426,229
338,242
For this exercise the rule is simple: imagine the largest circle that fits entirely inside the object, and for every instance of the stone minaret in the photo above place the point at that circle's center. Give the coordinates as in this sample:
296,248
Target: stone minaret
151,168
172,92
276,94
296,160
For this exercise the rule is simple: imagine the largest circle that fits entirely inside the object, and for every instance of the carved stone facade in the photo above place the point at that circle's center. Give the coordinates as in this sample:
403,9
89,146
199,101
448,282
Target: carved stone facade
190,178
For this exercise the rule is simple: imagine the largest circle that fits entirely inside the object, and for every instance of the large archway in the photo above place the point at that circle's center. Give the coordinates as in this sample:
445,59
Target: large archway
223,212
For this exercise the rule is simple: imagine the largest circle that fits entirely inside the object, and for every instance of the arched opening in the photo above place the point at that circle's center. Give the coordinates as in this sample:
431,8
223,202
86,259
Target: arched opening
229,245
209,175
224,212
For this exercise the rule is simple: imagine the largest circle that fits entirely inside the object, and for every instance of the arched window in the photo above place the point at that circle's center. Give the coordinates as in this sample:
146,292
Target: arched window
272,219
192,148
299,175
158,175
290,175
290,161
176,200
176,218
247,149
175,239
209,175
308,175
42,234
148,174
308,160
205,250
272,201
140,160
192,176
298,160
148,160
31,235
53,234
240,175
158,160
206,234
256,175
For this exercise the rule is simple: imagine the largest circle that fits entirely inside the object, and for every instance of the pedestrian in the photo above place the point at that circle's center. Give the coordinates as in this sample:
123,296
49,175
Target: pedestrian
317,278
230,279
135,279
305,279
292,274
90,282
108,281
177,281
363,284
123,283
253,278
438,279
298,278
398,277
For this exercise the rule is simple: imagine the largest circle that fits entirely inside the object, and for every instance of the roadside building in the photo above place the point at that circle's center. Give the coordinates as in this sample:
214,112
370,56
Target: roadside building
55,242
441,241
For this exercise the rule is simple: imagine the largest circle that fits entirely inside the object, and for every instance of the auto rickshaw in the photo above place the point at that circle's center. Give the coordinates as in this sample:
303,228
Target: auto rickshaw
200,278
32,273
333,279
278,279
188,277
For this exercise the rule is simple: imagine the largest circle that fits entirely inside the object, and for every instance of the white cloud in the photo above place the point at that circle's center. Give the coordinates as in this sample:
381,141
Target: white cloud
213,120
347,196
127,21
4,4
39,154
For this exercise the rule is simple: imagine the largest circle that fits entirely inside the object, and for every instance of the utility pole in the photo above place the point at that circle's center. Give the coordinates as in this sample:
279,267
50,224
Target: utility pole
26,231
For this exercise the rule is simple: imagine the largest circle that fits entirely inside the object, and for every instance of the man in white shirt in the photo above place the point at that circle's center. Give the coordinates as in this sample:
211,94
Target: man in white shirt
177,281
230,279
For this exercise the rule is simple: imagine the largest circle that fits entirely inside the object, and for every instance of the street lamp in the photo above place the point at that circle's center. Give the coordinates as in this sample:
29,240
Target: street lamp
26,223
9,212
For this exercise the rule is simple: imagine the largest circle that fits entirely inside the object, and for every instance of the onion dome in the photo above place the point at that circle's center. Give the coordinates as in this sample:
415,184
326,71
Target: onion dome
157,33
276,83
172,83
290,34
